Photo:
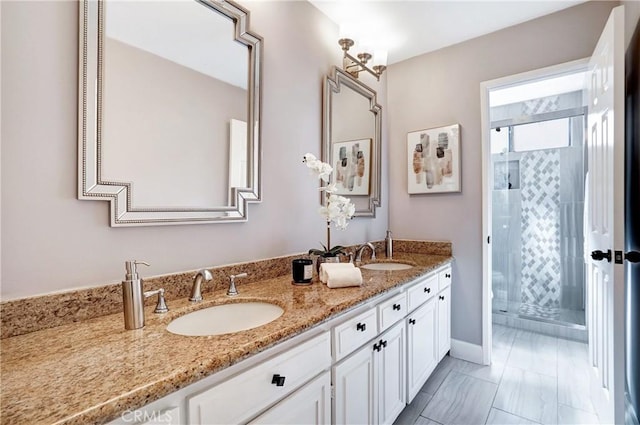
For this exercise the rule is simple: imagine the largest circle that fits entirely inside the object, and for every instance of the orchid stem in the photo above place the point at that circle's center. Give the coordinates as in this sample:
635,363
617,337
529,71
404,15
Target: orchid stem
328,235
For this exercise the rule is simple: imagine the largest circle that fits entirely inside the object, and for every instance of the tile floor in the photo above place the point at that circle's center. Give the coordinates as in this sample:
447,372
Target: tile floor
534,379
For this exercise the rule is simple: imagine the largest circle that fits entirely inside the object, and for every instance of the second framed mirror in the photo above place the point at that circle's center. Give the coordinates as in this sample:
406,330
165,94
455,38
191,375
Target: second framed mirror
352,140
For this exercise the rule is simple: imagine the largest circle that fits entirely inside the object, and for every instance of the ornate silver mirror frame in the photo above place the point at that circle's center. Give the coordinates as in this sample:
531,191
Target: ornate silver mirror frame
341,82
92,185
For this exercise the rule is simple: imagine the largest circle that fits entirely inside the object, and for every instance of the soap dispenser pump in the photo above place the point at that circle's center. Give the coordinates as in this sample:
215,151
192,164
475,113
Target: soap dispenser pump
388,245
132,296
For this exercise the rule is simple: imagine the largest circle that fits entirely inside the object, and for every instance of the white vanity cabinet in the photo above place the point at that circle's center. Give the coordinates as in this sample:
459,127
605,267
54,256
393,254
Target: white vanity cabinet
370,385
362,367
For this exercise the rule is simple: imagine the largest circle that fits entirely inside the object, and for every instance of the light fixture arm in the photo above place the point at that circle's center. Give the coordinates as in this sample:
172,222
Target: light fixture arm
354,66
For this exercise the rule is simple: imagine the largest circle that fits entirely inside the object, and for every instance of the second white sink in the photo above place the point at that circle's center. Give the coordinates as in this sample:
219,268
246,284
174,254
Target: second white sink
225,318
386,266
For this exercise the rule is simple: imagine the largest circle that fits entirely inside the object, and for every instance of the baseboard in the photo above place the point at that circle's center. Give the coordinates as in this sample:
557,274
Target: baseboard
466,351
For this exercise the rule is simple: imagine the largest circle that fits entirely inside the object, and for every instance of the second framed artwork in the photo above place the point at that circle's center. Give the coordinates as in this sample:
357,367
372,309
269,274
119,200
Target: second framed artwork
352,166
433,160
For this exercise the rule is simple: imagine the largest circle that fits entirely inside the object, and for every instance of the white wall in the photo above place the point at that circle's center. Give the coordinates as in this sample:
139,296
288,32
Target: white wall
51,241
443,88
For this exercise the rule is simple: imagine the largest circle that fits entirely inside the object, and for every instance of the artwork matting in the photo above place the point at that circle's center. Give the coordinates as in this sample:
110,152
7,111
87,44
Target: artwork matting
433,160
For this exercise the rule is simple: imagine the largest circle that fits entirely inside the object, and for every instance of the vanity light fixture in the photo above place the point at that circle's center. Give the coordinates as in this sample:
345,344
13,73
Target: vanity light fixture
355,66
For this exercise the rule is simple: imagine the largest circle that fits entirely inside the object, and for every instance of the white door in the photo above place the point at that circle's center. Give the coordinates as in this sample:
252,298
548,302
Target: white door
604,211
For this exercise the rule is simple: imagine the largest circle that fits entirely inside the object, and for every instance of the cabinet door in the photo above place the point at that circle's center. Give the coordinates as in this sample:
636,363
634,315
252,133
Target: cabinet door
390,371
311,404
353,381
444,322
422,346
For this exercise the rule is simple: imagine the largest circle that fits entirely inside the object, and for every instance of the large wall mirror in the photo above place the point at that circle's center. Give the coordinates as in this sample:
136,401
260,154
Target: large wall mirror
169,110
352,140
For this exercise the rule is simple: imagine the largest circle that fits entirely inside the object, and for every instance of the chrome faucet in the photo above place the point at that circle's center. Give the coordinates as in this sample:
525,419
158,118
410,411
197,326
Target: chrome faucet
196,293
361,248
232,284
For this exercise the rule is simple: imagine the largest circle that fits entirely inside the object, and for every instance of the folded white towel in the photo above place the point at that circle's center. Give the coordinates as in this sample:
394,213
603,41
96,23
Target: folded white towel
332,266
343,277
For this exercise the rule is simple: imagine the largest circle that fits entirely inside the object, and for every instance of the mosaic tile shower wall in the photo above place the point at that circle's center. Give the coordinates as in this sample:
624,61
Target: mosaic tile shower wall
540,191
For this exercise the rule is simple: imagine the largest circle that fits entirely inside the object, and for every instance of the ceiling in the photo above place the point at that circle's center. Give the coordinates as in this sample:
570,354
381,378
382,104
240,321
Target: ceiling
407,28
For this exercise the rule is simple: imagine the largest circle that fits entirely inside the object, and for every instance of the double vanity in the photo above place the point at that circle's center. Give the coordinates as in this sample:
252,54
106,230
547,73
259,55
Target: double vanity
348,355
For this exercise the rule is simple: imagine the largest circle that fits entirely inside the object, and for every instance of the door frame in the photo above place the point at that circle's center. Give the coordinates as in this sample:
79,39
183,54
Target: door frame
487,176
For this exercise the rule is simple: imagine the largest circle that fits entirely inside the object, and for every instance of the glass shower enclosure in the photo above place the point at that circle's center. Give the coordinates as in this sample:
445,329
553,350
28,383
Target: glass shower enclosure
539,169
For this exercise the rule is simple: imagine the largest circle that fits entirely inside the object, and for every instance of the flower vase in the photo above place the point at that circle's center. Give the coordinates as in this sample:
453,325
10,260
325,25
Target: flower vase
320,259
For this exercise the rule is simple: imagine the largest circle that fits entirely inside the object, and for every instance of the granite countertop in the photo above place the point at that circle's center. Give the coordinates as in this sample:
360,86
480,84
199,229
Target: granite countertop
91,371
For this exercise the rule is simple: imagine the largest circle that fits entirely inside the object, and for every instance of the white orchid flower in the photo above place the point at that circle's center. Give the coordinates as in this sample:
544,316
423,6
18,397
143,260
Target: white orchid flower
321,169
338,209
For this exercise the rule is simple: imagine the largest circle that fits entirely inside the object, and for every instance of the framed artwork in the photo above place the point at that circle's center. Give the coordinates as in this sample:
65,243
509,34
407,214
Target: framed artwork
351,162
433,160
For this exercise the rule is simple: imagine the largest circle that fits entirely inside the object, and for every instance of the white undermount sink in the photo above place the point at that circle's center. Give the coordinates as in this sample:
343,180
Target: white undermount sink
387,266
225,318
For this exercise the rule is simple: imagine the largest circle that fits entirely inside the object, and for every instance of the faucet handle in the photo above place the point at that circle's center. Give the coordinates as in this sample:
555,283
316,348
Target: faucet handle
161,306
232,284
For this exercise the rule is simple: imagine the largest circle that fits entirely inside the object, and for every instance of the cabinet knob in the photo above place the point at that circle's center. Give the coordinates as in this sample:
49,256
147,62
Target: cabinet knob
427,290
377,347
412,321
383,343
361,327
278,380
442,297
447,275
396,307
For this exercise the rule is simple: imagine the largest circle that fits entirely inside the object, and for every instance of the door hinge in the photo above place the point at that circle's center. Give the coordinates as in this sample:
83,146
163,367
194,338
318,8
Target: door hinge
333,392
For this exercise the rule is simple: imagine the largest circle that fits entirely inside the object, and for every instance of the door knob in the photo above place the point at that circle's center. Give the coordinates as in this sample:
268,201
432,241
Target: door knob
632,256
598,255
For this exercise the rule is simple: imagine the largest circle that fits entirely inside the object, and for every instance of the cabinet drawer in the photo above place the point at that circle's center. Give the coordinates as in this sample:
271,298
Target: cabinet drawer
261,385
422,291
354,332
444,278
390,311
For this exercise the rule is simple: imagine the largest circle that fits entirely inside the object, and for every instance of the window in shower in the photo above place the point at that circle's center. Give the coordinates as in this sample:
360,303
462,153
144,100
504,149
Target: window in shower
538,168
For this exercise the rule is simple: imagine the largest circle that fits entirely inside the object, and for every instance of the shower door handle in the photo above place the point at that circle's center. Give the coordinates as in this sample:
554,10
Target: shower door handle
599,255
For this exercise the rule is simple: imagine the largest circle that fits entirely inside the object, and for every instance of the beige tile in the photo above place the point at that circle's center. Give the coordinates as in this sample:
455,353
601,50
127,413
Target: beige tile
410,413
437,376
461,399
534,352
424,421
491,373
499,417
528,394
568,415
